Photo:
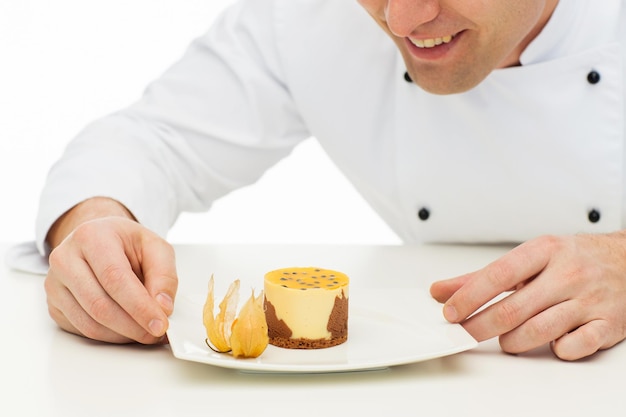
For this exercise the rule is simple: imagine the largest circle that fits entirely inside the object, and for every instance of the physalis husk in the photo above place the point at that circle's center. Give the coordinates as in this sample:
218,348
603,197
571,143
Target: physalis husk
249,336
218,328
246,336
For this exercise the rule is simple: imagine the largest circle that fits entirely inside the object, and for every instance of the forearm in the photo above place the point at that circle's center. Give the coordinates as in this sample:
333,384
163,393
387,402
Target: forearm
90,209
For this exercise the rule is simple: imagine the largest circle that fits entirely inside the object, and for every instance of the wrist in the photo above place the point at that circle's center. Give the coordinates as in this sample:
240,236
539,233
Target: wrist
93,208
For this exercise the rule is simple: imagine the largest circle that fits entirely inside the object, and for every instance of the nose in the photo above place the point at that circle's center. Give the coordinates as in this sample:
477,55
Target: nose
403,16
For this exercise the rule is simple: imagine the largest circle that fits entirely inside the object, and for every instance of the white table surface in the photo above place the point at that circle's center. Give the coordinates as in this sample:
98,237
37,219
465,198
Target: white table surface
47,372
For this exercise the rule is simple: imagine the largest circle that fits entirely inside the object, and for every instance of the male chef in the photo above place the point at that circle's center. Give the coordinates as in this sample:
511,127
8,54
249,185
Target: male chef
474,121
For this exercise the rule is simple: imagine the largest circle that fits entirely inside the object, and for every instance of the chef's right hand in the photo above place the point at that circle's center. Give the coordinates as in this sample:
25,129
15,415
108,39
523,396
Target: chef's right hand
111,279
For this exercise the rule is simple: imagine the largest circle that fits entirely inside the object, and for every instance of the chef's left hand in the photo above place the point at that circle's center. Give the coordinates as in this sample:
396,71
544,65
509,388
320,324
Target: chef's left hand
567,291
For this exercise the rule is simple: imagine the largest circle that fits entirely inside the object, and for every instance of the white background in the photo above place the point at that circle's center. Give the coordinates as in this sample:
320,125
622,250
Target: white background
64,63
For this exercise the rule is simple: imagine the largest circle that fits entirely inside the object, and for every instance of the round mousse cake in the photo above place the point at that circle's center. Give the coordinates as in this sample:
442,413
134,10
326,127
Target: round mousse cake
306,308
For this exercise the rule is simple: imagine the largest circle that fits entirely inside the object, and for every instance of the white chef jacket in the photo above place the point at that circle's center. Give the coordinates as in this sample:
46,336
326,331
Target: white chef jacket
532,150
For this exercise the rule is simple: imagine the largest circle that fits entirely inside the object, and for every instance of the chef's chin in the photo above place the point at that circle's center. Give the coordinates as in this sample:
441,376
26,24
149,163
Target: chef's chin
436,81
446,76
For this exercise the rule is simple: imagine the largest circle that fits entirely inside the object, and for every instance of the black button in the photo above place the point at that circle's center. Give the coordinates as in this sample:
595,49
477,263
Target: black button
594,216
593,77
423,214
407,77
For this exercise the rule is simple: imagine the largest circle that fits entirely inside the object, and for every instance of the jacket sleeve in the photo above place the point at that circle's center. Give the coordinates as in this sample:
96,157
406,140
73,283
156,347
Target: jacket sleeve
215,121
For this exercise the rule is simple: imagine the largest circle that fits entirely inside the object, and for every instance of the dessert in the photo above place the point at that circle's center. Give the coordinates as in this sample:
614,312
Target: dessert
306,307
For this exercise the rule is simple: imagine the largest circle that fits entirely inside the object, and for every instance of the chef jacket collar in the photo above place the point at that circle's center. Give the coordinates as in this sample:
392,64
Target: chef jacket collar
575,25
549,42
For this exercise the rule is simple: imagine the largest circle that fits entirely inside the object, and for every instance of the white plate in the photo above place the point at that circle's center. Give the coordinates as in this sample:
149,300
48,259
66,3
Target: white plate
386,328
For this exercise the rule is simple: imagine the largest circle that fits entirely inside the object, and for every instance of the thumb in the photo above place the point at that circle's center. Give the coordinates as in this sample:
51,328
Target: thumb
159,272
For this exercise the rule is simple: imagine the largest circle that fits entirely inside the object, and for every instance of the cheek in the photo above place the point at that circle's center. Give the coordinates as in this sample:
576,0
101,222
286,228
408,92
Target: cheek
519,22
372,6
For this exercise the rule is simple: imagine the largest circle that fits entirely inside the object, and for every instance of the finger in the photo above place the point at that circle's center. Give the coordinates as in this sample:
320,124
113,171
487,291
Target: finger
91,328
584,341
543,327
159,272
513,310
517,266
443,290
121,285
94,313
70,316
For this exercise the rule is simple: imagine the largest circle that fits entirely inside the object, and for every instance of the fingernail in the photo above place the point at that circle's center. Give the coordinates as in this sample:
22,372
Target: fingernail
165,301
449,312
156,327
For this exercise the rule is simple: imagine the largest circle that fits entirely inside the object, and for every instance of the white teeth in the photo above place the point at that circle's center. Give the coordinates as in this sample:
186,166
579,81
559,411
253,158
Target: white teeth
430,43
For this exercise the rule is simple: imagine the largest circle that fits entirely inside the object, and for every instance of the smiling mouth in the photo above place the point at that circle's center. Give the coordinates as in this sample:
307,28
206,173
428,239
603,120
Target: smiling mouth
432,42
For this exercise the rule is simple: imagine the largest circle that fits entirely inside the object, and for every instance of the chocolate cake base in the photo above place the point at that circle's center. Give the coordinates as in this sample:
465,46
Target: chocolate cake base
306,343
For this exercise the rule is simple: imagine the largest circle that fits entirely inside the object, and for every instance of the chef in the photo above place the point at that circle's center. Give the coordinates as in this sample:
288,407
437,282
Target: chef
460,121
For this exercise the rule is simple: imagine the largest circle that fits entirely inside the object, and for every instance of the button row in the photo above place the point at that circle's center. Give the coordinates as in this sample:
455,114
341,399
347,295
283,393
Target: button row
593,77
594,215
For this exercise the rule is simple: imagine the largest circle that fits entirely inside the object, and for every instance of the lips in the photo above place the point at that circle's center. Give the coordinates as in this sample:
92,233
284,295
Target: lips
431,42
